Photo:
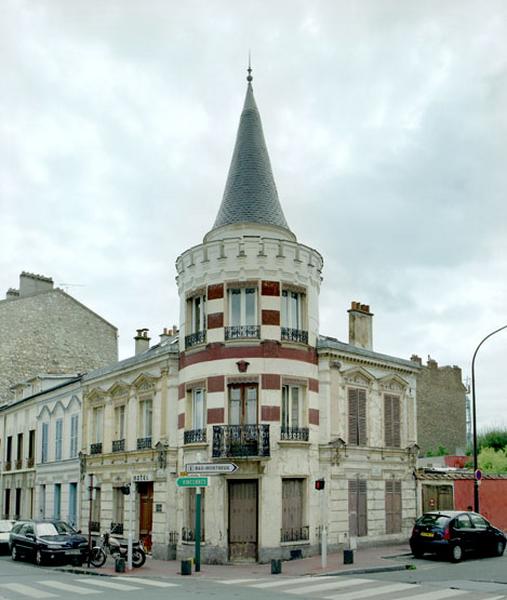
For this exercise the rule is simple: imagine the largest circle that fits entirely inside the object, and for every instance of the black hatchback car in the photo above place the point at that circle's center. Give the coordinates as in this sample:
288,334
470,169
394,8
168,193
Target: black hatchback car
45,541
452,534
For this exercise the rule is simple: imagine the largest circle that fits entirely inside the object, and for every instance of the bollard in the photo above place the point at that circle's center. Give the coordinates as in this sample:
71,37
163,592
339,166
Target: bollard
276,566
348,557
119,565
186,567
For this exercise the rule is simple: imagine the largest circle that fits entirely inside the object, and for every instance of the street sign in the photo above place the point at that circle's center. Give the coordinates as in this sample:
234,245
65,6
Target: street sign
478,474
192,482
211,468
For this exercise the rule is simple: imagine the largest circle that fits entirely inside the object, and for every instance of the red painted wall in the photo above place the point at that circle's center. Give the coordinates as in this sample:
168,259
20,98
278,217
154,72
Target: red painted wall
492,499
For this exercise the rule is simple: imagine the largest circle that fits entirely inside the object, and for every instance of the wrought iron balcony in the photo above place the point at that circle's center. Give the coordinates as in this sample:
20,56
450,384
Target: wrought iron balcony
240,440
117,528
299,434
30,461
188,534
294,335
144,443
118,445
7,465
194,436
295,534
238,332
199,337
95,526
96,448
19,463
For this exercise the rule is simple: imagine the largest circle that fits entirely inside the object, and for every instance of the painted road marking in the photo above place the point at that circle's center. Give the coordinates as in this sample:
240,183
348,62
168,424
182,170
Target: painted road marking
287,581
152,582
436,595
376,591
332,585
27,590
236,581
66,587
99,581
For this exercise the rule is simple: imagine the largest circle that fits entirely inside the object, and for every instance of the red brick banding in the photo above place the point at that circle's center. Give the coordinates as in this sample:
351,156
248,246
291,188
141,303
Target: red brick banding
313,385
270,288
270,382
215,291
216,415
215,320
181,391
270,413
313,416
216,383
271,317
181,421
266,349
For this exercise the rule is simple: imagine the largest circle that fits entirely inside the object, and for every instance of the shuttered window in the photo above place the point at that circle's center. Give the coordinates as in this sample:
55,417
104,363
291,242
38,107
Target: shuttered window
357,417
393,506
292,510
392,420
358,508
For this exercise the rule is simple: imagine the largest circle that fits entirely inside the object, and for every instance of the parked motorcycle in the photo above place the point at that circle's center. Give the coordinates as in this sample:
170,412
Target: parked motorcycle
117,548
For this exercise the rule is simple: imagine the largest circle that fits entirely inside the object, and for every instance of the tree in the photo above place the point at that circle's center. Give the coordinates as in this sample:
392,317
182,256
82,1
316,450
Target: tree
493,461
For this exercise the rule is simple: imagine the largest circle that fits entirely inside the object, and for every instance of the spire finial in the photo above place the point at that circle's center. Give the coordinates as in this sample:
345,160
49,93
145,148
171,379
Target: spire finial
249,76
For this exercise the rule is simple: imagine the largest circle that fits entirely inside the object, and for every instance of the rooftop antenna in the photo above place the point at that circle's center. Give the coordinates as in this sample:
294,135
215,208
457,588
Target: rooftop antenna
249,76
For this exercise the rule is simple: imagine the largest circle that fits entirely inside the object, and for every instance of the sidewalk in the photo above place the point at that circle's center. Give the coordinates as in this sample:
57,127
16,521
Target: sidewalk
366,560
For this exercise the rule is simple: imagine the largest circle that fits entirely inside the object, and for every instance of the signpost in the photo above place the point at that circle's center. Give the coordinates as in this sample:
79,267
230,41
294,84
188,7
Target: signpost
211,468
192,482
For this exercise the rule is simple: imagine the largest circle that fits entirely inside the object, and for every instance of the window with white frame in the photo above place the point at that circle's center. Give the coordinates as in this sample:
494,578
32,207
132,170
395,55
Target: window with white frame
118,505
98,424
292,309
198,402
145,418
74,432
197,306
242,306
44,442
119,422
292,406
58,439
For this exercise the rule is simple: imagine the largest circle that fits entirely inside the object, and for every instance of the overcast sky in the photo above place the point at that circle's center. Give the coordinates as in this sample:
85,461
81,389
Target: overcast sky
386,123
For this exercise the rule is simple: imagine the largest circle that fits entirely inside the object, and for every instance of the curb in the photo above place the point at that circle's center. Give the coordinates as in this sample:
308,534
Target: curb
407,567
78,571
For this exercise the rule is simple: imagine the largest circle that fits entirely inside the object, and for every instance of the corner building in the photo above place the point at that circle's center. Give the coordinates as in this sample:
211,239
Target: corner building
249,383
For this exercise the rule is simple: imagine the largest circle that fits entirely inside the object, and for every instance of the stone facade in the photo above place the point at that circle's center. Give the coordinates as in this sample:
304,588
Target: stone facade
44,330
440,392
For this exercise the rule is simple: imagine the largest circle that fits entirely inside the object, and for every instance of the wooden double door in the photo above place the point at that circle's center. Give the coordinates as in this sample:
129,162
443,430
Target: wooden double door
145,491
243,519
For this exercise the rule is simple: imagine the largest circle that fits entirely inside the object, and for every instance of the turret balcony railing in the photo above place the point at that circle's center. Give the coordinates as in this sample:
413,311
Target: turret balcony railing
199,337
118,445
194,436
238,332
294,335
297,434
144,443
240,441
96,448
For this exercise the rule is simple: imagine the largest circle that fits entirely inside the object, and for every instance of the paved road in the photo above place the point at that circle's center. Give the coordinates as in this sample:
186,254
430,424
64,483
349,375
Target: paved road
432,580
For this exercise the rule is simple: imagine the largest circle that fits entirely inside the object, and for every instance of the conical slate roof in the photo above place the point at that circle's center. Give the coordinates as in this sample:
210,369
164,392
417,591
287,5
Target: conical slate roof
250,194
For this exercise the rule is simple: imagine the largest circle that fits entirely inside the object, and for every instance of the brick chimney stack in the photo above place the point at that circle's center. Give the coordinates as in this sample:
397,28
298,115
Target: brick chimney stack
142,341
360,326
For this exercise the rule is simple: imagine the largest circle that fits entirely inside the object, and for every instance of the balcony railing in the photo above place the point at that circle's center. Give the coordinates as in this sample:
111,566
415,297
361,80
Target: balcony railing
118,445
240,440
7,466
144,443
295,534
96,448
199,337
95,526
294,335
30,461
188,534
298,434
238,332
194,436
117,528
19,463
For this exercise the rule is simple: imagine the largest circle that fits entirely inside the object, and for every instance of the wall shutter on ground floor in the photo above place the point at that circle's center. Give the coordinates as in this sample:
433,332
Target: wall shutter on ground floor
292,509
393,506
358,508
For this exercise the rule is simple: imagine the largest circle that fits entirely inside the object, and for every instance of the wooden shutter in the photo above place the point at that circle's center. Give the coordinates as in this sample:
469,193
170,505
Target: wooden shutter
352,507
362,508
393,506
353,416
292,505
361,420
392,420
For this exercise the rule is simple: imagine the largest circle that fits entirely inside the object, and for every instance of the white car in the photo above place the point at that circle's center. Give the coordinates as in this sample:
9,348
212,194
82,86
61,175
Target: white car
5,527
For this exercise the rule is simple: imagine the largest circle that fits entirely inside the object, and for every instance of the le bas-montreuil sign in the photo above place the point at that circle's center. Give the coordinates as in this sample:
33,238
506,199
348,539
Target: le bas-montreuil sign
211,468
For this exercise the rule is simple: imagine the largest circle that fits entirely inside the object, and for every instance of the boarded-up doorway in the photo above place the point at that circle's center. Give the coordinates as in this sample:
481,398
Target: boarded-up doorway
243,520
145,491
437,497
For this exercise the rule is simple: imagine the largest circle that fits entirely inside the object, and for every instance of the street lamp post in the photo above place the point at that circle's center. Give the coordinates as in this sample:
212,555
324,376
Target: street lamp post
474,419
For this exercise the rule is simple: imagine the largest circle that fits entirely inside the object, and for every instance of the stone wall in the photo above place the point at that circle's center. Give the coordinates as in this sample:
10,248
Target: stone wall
441,409
50,332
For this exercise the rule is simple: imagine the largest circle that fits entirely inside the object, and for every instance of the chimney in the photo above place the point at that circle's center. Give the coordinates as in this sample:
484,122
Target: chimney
416,359
31,284
12,294
360,326
142,341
